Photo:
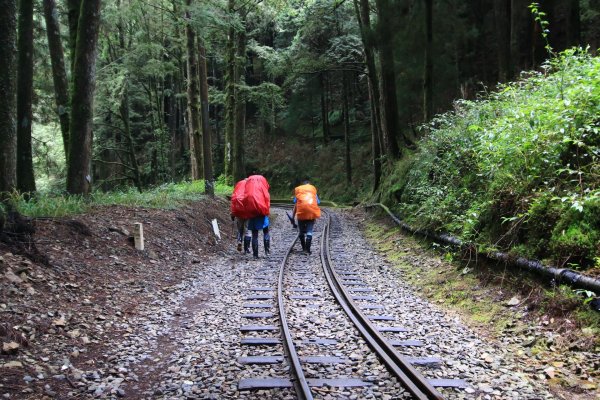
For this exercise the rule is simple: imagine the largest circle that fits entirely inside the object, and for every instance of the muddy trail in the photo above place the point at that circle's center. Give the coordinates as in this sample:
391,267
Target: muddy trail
103,320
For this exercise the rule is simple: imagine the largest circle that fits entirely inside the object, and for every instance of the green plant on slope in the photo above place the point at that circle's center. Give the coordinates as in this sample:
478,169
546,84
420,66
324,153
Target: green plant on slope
518,168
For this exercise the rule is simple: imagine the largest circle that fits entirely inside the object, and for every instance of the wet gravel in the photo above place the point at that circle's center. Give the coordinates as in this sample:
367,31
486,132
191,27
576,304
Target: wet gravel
187,344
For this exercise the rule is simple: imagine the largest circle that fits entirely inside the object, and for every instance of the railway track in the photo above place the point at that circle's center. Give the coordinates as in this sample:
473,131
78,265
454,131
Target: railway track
318,330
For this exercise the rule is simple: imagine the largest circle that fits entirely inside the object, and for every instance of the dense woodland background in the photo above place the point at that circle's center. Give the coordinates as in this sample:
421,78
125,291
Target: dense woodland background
107,95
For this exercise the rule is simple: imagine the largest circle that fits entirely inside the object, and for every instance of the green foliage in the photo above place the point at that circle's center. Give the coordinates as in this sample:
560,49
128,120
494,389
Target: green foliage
520,168
48,157
167,196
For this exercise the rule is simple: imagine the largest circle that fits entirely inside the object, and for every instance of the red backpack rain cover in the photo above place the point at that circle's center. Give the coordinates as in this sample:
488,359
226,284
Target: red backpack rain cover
237,201
257,200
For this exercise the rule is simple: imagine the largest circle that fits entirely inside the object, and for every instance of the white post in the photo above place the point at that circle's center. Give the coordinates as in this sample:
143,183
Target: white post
138,235
215,226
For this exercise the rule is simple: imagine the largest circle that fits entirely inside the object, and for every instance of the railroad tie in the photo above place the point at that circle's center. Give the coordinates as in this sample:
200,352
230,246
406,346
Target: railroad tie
257,305
259,315
260,360
406,343
252,328
260,341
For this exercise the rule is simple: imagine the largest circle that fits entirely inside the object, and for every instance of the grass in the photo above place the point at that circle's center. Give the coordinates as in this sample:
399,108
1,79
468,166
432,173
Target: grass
166,196
479,294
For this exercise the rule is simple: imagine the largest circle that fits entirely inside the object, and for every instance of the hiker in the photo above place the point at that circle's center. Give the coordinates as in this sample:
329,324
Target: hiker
306,210
257,201
240,216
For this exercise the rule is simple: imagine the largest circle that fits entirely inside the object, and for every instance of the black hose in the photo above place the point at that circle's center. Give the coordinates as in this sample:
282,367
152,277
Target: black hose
559,275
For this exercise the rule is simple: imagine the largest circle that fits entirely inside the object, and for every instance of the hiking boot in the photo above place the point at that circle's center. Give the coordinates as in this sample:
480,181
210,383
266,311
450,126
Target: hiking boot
308,243
302,242
247,245
255,249
267,243
239,246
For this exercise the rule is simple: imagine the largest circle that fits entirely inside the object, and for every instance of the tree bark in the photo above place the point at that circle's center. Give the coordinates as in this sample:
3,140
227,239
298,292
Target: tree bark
324,112
229,94
73,13
521,35
82,100
565,23
209,187
25,177
428,70
59,73
502,15
389,106
363,15
8,97
348,161
375,142
239,170
193,101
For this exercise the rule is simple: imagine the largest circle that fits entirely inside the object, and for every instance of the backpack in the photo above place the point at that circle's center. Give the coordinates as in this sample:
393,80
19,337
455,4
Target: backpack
237,201
257,200
306,202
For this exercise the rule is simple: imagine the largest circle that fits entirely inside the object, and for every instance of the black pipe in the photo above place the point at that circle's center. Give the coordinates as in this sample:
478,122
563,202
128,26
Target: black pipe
560,275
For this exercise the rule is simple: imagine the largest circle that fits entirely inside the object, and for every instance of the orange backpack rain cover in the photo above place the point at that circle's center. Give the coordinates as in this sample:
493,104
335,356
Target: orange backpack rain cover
257,200
306,202
237,201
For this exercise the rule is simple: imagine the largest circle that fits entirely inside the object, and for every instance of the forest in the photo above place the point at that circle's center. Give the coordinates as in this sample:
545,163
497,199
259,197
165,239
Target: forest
476,118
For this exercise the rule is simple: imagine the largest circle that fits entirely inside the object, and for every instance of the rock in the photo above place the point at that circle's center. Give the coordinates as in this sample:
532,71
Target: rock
59,322
588,386
11,277
550,372
10,347
75,333
513,301
13,364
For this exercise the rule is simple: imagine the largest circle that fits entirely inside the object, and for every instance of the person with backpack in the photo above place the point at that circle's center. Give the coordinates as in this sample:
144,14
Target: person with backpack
257,202
306,210
240,216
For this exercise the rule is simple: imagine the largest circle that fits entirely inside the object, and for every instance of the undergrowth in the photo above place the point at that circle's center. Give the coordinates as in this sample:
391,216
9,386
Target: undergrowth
166,196
518,170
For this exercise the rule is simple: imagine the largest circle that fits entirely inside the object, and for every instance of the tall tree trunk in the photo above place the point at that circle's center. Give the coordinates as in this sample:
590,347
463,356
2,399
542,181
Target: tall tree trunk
25,177
428,75
82,100
363,15
565,23
8,97
124,111
502,15
324,112
230,94
193,100
346,128
521,35
239,170
389,106
73,12
375,142
59,73
209,187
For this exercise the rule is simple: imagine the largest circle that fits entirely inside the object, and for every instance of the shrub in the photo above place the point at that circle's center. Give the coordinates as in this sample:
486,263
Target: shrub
520,167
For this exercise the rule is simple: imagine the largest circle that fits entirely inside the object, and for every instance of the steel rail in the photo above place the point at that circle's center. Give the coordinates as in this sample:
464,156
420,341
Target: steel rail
302,389
410,378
